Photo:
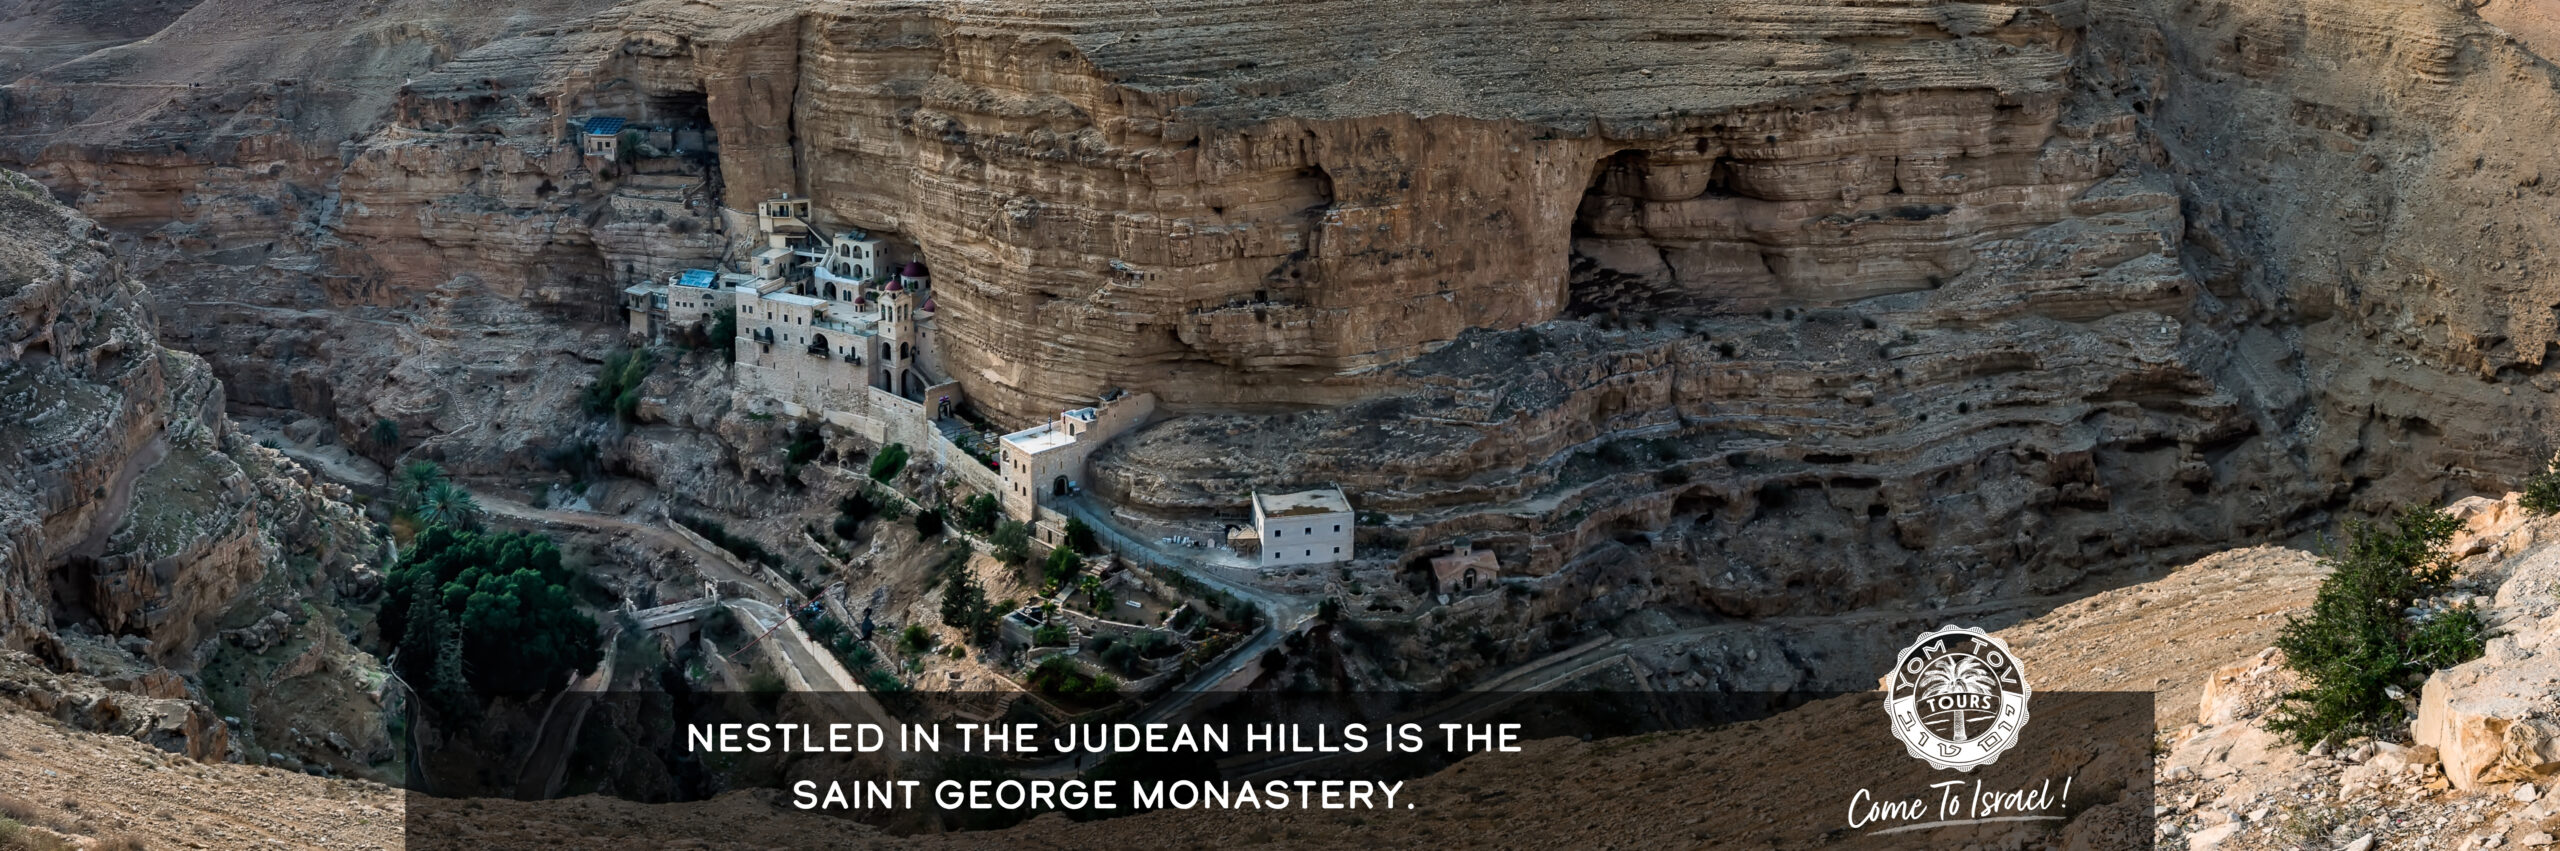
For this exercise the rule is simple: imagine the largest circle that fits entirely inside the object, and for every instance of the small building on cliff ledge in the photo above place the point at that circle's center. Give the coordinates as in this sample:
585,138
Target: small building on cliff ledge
1307,527
602,138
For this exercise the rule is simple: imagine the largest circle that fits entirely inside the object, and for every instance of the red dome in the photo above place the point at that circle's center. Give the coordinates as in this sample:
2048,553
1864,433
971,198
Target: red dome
915,269
893,287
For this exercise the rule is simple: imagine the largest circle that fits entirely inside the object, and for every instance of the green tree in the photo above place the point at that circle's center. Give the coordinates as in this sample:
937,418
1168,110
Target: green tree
1062,566
447,504
1011,542
1080,537
416,478
2355,642
616,389
505,601
385,434
885,466
2542,490
724,332
805,444
978,513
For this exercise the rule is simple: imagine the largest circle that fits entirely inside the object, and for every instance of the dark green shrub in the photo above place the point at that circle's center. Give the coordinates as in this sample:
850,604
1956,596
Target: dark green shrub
856,507
1058,677
724,332
805,444
928,523
1080,537
886,465
617,386
1012,542
1063,565
915,639
2355,642
2542,490
978,513
496,606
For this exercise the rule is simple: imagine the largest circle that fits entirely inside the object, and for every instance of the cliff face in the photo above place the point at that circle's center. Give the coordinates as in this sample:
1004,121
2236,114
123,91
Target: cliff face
104,415
136,523
1696,305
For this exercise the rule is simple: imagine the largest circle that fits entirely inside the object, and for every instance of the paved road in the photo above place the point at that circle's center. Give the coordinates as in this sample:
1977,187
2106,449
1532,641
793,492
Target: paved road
1282,613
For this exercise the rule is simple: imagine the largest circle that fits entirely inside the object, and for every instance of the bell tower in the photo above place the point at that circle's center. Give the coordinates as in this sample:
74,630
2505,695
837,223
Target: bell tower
897,337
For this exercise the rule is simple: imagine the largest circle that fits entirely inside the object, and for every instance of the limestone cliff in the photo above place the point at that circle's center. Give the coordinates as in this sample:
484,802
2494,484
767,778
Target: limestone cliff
135,522
1734,308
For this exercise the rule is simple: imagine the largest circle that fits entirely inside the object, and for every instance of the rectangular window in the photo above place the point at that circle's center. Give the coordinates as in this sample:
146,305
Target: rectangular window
1337,551
1311,552
1337,527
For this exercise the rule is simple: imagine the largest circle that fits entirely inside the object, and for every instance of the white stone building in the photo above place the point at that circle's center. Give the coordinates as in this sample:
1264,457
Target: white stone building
1047,461
1307,527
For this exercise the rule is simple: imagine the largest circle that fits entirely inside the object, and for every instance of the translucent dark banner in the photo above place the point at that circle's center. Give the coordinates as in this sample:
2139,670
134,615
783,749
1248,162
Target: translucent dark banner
1625,769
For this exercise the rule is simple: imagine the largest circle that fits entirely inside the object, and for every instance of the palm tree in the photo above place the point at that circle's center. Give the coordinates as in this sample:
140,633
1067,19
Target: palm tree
417,479
1956,674
447,504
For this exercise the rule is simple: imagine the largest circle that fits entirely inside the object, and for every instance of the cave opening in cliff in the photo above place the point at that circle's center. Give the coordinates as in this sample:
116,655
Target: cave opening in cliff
1618,269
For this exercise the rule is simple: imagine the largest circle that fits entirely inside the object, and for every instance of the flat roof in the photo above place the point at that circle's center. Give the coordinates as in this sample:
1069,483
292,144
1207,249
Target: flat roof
696,278
1040,438
773,252
795,299
639,289
1318,501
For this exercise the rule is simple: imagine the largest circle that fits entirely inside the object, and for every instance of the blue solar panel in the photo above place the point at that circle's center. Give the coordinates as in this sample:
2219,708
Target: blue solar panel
603,125
696,278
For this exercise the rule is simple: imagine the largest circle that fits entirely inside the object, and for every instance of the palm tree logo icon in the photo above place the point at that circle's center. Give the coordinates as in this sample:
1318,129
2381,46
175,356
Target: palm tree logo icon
1957,698
1955,691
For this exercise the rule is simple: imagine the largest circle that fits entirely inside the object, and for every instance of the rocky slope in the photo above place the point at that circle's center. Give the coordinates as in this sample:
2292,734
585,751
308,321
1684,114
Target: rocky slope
2165,636
137,523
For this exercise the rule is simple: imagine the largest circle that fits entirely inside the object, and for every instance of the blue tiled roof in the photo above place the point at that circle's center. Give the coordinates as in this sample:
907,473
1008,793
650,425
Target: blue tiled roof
695,278
604,125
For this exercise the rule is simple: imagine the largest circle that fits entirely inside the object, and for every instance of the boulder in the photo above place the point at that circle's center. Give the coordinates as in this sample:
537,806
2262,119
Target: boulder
2245,689
2485,522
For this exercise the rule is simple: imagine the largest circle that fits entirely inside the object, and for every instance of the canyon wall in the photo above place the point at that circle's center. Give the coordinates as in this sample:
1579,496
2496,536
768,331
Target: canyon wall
133,508
1733,307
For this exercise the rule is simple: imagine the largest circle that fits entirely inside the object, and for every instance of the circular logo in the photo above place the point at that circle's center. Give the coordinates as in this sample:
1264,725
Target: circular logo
1957,698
